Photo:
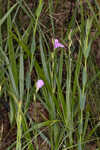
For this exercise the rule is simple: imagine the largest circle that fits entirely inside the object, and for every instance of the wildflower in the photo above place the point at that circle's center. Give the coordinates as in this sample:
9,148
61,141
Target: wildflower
57,44
39,84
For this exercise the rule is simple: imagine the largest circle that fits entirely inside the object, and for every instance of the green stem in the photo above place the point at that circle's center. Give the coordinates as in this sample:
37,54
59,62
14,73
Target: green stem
35,115
19,122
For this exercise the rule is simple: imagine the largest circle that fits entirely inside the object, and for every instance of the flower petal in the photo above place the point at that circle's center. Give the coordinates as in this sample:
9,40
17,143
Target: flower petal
57,44
39,84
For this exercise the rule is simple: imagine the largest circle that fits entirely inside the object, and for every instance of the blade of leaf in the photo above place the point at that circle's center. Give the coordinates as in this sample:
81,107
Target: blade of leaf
6,15
10,73
21,75
44,60
12,57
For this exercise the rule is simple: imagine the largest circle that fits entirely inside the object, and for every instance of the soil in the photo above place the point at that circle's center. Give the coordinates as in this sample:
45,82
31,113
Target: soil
7,133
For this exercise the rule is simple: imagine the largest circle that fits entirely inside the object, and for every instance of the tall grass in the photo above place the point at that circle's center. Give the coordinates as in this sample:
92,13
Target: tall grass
65,93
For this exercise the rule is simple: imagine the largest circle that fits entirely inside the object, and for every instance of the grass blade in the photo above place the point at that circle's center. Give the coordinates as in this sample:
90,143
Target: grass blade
7,14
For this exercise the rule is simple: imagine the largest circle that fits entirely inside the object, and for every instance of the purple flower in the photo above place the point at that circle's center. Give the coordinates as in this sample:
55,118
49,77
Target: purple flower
39,84
57,44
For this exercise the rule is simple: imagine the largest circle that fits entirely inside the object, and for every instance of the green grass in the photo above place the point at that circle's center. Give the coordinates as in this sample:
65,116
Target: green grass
71,76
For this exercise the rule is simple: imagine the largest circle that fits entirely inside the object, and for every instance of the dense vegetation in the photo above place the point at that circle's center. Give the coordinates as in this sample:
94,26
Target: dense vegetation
49,75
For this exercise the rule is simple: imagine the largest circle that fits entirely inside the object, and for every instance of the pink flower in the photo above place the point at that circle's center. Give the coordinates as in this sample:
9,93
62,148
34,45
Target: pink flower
39,84
57,44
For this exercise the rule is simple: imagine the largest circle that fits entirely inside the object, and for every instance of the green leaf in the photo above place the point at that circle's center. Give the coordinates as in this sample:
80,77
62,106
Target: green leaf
39,9
10,73
61,67
44,61
47,123
88,26
21,44
51,97
28,80
12,57
82,100
88,49
27,134
61,99
77,72
7,14
12,113
84,77
21,75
